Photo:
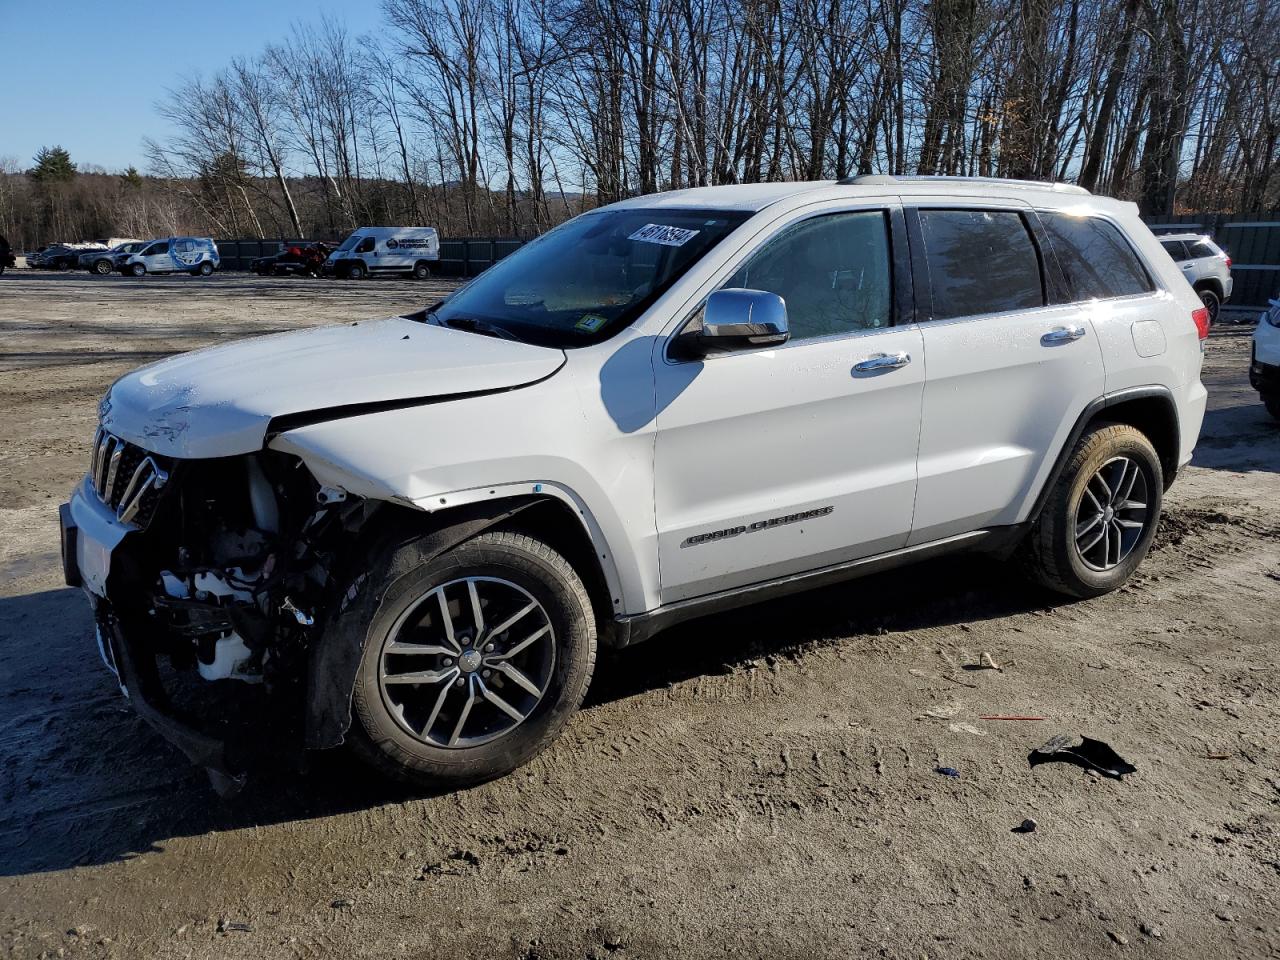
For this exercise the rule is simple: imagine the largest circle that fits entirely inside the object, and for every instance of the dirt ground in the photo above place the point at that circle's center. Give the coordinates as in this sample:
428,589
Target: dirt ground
760,784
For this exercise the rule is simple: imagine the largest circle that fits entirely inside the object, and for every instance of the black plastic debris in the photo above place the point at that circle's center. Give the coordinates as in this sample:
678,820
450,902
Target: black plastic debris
947,771
1088,753
1026,826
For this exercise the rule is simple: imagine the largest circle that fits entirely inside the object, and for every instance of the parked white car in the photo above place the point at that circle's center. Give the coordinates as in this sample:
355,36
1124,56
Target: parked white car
662,408
1264,363
1205,265
378,251
197,256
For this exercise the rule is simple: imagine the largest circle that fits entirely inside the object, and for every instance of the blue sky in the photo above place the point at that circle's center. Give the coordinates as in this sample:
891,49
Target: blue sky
86,73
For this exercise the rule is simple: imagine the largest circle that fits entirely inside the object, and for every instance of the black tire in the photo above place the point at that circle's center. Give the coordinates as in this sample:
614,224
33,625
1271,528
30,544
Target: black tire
1273,406
421,271
1050,554
138,269
102,268
356,271
204,270
1212,301
543,574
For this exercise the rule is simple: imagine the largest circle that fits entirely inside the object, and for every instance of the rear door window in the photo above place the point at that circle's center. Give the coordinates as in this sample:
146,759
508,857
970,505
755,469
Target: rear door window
980,261
1176,249
1096,259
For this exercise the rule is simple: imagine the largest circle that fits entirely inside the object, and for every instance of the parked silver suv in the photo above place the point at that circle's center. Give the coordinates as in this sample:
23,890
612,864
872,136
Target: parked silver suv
1205,265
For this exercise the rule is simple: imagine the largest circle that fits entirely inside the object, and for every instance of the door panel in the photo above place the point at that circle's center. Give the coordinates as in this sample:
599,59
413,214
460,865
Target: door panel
998,403
746,442
777,461
1006,381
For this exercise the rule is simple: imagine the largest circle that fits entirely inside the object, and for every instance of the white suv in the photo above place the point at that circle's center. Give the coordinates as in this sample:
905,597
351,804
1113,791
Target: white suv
415,531
1205,265
1264,361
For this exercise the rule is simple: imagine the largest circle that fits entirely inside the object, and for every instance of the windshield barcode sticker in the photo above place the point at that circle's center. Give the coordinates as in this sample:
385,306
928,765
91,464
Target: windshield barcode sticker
667,236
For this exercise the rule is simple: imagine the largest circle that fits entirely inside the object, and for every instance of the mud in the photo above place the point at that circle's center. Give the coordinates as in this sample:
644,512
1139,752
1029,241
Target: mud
756,784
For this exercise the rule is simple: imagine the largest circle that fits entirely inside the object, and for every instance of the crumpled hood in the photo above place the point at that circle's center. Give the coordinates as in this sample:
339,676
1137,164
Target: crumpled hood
219,401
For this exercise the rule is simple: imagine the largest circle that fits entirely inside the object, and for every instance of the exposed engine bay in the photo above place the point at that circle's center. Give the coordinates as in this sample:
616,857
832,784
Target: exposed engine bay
240,586
229,572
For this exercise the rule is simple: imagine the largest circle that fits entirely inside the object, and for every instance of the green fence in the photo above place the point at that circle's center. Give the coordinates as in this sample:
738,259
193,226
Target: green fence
1253,243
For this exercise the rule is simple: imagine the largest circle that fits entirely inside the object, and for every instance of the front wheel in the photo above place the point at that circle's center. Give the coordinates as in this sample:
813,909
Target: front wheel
355,271
474,663
1101,516
102,267
138,270
1271,403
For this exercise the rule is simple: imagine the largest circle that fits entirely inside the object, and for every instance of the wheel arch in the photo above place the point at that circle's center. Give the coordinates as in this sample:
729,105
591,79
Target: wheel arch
1150,409
1210,283
380,548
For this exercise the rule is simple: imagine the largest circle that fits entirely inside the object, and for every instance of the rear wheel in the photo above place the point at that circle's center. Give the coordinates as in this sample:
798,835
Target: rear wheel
421,271
474,663
205,269
1101,516
1212,302
1272,403
138,270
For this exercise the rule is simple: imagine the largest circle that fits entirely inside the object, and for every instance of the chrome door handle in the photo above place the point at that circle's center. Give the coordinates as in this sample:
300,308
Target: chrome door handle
882,361
1063,334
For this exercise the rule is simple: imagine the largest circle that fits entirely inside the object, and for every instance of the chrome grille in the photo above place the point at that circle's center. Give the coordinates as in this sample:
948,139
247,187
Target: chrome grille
126,478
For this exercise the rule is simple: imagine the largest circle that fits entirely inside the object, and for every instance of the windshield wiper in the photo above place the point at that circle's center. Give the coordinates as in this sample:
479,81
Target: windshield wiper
482,327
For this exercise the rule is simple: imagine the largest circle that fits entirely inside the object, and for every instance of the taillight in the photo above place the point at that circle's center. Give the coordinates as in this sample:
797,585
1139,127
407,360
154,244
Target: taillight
1201,319
1228,259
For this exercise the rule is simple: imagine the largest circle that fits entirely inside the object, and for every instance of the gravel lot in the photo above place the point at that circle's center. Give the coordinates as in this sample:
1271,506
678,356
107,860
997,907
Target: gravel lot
756,784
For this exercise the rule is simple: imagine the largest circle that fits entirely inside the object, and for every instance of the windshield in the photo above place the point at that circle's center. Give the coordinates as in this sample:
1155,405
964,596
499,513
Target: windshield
350,242
589,278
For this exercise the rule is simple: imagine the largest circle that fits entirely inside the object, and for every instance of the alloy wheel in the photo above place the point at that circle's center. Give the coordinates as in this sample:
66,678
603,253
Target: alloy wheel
1112,515
468,662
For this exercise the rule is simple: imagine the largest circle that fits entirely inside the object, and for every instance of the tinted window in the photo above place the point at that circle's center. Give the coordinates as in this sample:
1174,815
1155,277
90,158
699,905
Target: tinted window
1175,249
980,261
832,271
1097,260
1198,248
366,245
156,248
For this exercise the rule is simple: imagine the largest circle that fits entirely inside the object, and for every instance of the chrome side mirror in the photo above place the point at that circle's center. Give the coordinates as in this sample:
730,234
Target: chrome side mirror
737,319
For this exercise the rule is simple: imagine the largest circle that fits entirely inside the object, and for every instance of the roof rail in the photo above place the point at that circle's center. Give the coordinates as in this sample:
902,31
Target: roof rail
881,180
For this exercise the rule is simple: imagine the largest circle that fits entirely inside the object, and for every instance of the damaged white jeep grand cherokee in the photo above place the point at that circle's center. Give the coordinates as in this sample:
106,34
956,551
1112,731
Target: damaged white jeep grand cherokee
411,534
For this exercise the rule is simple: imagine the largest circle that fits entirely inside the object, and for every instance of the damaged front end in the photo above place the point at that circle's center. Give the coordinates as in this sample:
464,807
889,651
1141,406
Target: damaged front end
211,581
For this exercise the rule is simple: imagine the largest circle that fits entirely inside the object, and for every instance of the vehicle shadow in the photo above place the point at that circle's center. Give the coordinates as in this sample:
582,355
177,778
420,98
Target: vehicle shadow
84,781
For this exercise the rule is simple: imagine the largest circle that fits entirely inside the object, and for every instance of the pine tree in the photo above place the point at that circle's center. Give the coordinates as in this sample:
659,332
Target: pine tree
53,165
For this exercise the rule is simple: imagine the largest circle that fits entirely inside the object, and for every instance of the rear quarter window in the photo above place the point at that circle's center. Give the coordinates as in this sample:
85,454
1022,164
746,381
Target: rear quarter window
1098,262
1198,249
980,261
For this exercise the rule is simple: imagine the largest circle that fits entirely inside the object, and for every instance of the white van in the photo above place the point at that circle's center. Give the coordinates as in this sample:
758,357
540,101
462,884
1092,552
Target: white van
408,251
